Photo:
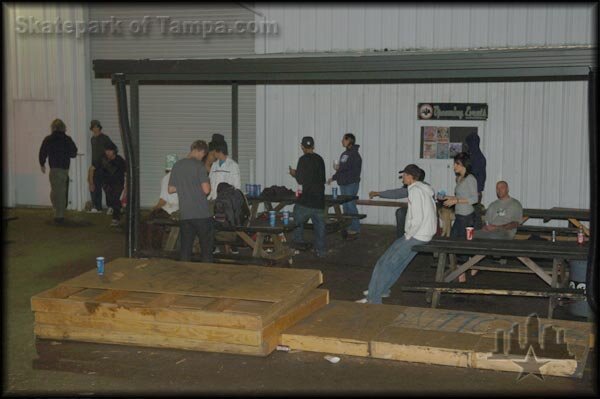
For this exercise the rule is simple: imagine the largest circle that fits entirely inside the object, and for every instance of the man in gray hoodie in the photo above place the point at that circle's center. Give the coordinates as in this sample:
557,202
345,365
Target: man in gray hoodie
420,226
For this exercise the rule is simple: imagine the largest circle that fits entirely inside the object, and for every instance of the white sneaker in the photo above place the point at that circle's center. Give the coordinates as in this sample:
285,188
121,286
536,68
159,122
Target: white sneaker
364,300
93,210
366,292
109,211
216,251
114,223
235,251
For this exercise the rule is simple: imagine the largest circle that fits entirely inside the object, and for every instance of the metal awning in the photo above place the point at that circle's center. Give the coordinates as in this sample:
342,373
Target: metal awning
540,64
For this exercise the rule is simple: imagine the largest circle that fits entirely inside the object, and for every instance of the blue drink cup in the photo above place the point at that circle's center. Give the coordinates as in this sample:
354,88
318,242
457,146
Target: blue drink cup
253,190
100,265
286,217
247,189
334,192
272,216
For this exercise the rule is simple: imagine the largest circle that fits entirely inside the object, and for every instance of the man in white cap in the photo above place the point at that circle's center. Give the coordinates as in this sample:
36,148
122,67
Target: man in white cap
166,207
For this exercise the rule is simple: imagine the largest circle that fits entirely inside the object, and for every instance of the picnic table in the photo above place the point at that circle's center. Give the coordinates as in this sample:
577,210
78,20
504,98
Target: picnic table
252,234
574,215
337,221
524,251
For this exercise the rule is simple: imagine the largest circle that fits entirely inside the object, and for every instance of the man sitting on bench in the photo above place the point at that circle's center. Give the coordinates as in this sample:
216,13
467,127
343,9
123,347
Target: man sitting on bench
502,217
421,225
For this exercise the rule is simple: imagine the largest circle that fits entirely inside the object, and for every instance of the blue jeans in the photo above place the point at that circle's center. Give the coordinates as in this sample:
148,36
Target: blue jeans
350,207
301,216
390,266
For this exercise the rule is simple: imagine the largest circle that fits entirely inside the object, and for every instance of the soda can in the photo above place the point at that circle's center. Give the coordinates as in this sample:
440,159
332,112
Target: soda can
253,190
553,235
334,192
286,217
580,236
299,191
100,265
470,231
272,218
258,190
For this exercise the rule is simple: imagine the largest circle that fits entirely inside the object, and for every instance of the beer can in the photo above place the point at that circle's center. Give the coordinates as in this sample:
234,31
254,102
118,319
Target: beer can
299,191
286,217
580,236
258,190
553,235
272,218
100,265
334,192
470,231
253,190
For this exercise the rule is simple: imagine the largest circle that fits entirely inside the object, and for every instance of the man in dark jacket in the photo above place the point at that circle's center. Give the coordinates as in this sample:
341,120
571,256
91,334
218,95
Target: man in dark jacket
59,149
479,164
347,176
112,170
99,143
310,173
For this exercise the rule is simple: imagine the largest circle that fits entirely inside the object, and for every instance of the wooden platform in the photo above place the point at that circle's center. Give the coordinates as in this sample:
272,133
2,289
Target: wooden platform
163,303
444,337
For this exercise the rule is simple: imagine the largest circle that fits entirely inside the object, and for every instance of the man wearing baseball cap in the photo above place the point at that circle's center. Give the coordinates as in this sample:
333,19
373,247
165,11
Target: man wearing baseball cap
310,173
420,227
398,193
100,142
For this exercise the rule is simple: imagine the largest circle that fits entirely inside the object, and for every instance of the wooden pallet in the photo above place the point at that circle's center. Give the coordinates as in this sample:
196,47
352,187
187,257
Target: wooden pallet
435,336
164,303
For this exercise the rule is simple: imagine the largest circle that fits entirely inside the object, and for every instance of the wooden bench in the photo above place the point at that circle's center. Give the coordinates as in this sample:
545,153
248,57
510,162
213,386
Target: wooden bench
524,251
259,230
347,216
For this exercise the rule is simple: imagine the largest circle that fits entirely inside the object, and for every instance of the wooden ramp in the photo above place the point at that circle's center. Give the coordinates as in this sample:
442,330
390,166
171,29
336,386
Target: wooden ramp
444,337
157,302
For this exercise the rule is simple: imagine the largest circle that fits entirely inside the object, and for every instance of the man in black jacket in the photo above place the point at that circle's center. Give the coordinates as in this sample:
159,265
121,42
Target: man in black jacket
310,173
99,143
347,176
113,168
59,149
478,164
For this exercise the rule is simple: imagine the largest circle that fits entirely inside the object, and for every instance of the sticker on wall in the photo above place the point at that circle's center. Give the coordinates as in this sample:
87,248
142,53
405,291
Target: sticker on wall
444,142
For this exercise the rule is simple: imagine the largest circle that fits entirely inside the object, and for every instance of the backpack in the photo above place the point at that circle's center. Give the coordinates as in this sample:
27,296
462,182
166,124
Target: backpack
231,206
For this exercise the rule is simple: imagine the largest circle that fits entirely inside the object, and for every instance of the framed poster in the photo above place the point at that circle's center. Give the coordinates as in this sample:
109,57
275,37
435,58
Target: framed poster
443,142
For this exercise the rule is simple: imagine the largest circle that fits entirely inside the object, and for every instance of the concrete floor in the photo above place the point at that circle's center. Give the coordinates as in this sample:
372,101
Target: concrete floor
40,255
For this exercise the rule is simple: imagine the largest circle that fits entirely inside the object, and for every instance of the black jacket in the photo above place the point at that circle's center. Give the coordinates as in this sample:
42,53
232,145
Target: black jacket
113,172
350,167
310,172
59,149
478,161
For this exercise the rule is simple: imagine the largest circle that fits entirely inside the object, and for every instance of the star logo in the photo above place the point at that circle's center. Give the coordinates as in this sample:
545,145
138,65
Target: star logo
530,366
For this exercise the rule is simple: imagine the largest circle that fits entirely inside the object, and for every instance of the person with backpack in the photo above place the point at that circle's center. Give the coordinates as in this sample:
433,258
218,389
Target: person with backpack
58,148
310,173
191,183
347,176
223,170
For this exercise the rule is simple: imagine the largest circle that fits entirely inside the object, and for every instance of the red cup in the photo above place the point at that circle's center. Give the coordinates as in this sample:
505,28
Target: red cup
470,231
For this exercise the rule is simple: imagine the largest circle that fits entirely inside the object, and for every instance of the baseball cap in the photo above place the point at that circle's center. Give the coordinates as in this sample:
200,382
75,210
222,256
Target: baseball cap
414,171
170,161
308,142
95,122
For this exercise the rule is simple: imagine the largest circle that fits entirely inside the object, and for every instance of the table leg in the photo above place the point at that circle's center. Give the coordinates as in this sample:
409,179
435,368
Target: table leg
463,268
172,238
439,277
258,246
254,210
536,269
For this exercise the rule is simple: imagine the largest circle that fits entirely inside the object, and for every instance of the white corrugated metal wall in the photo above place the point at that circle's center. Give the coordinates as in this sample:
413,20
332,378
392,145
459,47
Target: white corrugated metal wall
171,117
536,133
46,78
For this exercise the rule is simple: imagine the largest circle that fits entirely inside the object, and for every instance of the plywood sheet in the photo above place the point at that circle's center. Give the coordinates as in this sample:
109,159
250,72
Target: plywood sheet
200,279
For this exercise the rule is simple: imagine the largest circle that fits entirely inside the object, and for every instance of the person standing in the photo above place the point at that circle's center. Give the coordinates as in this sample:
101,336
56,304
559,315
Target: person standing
58,148
191,183
465,196
347,176
478,164
113,170
502,217
310,173
100,142
420,227
223,168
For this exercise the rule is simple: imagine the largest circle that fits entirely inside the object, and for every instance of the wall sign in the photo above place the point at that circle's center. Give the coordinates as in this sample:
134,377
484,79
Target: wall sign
453,111
443,142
